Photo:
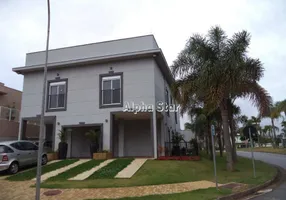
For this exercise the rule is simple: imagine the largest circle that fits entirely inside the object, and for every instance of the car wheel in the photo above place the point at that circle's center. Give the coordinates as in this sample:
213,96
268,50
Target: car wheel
13,168
44,160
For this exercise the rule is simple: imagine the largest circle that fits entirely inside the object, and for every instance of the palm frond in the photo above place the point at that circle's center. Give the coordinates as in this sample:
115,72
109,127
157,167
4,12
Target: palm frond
257,94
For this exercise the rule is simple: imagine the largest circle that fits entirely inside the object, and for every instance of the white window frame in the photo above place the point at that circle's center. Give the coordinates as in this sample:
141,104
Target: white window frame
110,78
50,89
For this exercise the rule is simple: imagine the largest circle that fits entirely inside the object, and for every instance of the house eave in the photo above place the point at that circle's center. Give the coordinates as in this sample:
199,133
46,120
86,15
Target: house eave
156,53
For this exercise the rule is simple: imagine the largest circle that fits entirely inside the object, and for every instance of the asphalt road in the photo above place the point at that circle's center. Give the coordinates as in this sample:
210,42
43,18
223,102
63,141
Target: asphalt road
278,193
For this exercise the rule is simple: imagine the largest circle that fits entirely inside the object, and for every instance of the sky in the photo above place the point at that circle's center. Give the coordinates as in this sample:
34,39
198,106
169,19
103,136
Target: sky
74,22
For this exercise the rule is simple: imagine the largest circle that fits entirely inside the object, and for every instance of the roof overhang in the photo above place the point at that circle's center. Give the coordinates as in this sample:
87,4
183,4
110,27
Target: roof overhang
157,54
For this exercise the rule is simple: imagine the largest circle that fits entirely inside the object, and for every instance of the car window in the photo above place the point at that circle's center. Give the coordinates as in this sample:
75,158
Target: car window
17,146
28,146
5,149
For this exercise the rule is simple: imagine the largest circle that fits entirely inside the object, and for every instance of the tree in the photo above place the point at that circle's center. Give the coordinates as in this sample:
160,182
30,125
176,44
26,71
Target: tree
256,122
215,68
274,114
281,106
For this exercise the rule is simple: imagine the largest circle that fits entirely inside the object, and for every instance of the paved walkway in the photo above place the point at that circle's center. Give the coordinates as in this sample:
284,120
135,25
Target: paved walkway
21,190
61,170
88,173
131,169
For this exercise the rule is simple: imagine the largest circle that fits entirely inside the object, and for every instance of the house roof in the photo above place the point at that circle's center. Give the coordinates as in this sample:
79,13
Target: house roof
114,50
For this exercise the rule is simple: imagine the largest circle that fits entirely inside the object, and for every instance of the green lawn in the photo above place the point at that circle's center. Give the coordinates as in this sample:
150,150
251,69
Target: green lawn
155,172
266,150
111,169
30,174
76,170
202,194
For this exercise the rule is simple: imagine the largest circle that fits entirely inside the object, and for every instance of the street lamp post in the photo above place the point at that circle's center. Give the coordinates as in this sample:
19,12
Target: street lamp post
40,150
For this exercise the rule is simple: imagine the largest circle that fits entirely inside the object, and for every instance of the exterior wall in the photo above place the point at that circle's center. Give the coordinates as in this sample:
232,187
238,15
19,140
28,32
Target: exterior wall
12,97
9,129
188,135
83,93
138,138
100,49
160,88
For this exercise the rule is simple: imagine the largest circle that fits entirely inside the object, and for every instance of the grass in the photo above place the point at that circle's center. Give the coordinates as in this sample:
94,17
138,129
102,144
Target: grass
111,169
155,172
76,170
202,194
30,174
266,150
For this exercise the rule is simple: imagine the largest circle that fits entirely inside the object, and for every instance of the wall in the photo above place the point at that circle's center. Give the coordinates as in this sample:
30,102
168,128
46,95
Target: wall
12,97
83,92
188,135
9,129
100,49
160,88
138,138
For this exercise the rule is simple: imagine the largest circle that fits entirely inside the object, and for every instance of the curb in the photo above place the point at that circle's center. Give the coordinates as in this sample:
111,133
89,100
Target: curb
277,178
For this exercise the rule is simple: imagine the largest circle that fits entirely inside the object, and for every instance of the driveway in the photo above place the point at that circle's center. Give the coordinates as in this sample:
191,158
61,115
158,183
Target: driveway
279,193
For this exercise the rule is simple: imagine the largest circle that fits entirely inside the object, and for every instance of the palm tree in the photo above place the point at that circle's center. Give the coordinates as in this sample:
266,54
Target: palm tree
274,115
281,106
256,121
215,68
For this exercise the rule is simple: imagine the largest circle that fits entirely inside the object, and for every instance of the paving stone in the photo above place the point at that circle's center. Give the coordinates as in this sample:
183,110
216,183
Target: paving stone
61,170
131,169
88,173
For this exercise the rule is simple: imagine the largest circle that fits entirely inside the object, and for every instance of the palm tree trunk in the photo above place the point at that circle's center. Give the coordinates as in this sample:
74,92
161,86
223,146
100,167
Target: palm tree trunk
209,140
232,131
234,154
219,143
225,123
206,144
274,132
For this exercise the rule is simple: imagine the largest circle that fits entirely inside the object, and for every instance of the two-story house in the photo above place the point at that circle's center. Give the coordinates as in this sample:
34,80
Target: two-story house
88,87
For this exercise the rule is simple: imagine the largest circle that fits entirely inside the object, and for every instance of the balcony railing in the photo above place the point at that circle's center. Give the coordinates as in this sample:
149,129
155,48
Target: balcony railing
10,114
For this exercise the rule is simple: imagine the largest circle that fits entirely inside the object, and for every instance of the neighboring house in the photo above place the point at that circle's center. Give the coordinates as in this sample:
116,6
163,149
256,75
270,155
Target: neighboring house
88,87
188,135
10,105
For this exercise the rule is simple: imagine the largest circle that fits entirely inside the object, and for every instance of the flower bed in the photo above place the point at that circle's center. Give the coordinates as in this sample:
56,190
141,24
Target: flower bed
194,158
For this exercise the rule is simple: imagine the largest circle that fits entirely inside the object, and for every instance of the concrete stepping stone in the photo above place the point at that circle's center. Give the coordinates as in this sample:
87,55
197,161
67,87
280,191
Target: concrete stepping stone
88,173
131,169
61,170
53,161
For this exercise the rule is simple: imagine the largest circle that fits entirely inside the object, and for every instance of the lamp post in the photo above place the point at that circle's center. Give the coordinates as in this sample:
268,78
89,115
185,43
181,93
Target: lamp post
40,150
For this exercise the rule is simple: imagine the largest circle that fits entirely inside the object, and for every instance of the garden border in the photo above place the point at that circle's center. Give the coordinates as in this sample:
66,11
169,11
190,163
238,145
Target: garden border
275,179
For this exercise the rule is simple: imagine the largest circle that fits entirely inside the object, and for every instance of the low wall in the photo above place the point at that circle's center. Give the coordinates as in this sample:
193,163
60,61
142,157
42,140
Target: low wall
9,130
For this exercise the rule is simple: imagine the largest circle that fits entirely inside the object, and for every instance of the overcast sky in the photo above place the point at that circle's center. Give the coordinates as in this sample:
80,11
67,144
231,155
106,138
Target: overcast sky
74,22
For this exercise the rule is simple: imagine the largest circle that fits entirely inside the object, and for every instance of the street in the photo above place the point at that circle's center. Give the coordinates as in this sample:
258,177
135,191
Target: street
279,193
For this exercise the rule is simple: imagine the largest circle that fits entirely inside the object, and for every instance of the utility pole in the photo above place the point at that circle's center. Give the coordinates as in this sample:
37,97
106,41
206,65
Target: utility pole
42,120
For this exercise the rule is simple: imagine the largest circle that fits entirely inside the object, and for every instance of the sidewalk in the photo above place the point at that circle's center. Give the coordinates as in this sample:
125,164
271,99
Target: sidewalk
22,191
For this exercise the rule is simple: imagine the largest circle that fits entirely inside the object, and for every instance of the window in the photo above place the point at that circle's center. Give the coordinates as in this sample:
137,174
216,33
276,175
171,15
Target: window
111,90
5,149
167,101
17,146
175,114
57,95
27,146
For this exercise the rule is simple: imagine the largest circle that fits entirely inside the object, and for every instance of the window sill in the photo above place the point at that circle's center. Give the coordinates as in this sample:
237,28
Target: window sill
56,110
111,106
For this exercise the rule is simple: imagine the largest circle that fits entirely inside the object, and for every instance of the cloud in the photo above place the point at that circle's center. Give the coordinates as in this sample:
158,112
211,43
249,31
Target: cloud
73,22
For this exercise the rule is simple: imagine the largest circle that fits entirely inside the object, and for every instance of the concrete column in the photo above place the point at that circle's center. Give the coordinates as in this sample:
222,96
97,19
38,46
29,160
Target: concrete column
22,129
163,134
121,139
154,119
